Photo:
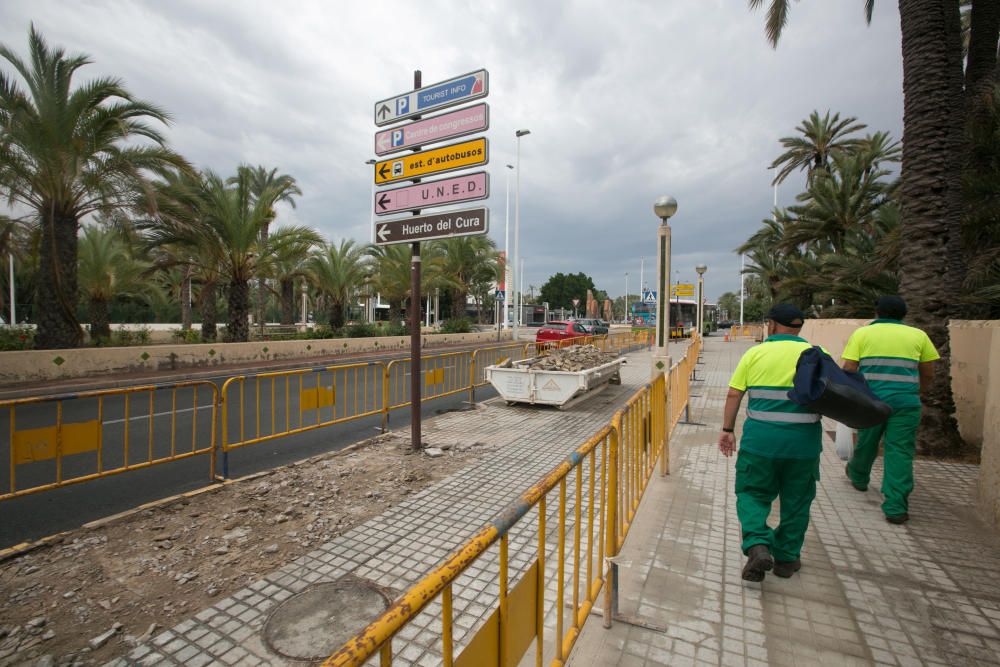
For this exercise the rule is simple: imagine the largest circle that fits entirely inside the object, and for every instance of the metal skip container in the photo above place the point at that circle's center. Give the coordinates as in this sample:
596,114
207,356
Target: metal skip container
518,383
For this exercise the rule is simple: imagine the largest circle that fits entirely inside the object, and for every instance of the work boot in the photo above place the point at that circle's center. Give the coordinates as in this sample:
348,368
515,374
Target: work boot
759,561
897,519
786,568
847,471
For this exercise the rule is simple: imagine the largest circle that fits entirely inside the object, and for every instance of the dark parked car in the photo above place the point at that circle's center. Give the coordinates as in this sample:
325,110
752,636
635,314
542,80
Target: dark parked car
595,327
560,331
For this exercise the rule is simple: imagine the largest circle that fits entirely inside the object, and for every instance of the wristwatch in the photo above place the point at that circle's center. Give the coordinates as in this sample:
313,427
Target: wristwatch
728,430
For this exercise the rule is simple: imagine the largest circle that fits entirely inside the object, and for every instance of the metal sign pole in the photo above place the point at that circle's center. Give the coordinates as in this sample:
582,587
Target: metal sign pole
415,375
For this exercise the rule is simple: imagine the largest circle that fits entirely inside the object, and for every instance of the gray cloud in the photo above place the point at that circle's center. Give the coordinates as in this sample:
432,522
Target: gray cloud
625,101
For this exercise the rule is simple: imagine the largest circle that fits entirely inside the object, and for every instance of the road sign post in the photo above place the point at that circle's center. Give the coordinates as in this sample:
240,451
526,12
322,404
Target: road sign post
451,125
444,225
454,190
462,155
452,157
461,89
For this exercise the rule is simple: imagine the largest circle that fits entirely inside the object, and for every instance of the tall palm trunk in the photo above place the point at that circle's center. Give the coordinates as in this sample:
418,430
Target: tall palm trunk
930,261
208,303
336,314
100,321
458,302
57,291
261,281
186,299
287,289
238,325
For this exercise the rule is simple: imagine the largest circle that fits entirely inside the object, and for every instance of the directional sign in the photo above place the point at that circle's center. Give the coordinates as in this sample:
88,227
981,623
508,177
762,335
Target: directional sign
468,222
452,157
468,187
459,90
451,125
649,296
682,289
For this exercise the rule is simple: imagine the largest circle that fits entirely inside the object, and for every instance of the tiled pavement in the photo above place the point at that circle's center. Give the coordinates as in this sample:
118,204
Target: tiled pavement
926,593
398,547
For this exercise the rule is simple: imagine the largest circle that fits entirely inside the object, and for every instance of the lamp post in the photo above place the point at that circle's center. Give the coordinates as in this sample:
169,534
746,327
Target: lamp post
371,201
625,300
517,230
701,269
506,252
664,207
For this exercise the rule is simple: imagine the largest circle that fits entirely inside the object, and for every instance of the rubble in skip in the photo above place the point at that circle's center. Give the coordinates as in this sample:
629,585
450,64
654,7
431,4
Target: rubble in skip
572,359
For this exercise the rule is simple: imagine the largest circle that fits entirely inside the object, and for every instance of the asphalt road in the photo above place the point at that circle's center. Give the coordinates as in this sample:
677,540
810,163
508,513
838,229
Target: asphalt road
173,421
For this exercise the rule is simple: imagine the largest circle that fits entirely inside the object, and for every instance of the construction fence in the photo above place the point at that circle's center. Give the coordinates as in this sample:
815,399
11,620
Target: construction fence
56,441
572,523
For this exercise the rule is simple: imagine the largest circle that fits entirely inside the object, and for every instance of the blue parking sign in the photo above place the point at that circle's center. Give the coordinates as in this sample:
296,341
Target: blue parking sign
398,137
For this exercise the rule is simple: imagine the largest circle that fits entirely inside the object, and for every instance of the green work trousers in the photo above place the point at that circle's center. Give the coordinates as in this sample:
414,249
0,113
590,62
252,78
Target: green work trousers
900,434
759,480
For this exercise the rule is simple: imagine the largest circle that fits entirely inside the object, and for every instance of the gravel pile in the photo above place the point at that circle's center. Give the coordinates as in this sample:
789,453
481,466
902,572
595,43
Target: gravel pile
573,359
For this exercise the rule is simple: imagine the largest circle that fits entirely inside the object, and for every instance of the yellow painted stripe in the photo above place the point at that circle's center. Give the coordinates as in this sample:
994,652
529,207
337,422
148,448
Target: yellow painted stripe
39,444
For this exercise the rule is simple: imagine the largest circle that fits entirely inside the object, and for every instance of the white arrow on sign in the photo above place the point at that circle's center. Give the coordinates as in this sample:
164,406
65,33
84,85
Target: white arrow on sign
383,232
383,142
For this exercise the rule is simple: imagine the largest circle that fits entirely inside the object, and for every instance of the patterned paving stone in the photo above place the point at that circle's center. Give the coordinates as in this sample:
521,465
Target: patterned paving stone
925,593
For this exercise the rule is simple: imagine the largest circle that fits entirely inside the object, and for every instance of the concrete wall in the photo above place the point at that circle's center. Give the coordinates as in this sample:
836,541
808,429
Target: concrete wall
831,334
989,468
975,383
42,365
970,368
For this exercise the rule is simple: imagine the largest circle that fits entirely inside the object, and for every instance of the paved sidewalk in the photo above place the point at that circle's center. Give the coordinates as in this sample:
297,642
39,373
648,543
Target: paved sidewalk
926,593
397,548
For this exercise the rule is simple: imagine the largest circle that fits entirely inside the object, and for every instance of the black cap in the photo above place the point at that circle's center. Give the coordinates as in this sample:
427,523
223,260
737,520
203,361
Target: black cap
891,307
787,315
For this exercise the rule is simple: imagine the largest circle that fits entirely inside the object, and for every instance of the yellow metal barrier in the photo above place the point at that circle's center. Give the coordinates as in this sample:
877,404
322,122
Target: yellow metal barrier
96,434
443,375
92,434
273,405
754,331
607,477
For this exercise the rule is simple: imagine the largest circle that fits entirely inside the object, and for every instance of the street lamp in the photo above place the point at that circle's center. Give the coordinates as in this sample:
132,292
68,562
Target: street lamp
371,200
625,300
506,252
664,207
701,269
517,229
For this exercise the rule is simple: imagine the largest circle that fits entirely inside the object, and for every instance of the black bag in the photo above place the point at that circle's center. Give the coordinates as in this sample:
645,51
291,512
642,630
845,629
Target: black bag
824,387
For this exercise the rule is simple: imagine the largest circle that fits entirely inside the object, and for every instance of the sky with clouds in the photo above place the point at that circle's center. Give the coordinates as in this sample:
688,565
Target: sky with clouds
625,101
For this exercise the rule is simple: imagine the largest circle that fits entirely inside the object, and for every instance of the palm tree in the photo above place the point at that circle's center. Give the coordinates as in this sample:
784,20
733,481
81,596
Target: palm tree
464,261
107,271
289,249
66,153
339,272
390,275
931,193
822,139
277,188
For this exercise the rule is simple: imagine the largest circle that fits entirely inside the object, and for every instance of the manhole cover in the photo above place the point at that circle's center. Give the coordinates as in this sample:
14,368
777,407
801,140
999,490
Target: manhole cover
316,622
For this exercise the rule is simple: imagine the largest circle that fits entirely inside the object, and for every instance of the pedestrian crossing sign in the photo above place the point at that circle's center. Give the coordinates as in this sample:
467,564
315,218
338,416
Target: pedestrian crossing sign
649,296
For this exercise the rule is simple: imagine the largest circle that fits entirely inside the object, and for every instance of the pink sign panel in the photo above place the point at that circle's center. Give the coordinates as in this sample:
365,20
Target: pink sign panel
468,187
430,130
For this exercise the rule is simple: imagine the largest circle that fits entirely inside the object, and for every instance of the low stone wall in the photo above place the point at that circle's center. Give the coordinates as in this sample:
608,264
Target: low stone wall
831,334
970,369
43,365
989,467
975,383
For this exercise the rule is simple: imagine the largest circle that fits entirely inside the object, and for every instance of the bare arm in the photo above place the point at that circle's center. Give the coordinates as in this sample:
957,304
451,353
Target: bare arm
727,441
850,366
926,370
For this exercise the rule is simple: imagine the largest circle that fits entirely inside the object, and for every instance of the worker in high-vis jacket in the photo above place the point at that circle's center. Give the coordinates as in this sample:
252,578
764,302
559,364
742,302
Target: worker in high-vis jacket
898,363
779,448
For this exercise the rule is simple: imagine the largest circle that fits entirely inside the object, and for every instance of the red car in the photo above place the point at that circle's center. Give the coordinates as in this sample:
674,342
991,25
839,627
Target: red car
560,331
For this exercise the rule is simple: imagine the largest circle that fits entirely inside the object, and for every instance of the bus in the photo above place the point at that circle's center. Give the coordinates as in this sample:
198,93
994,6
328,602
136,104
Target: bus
683,316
